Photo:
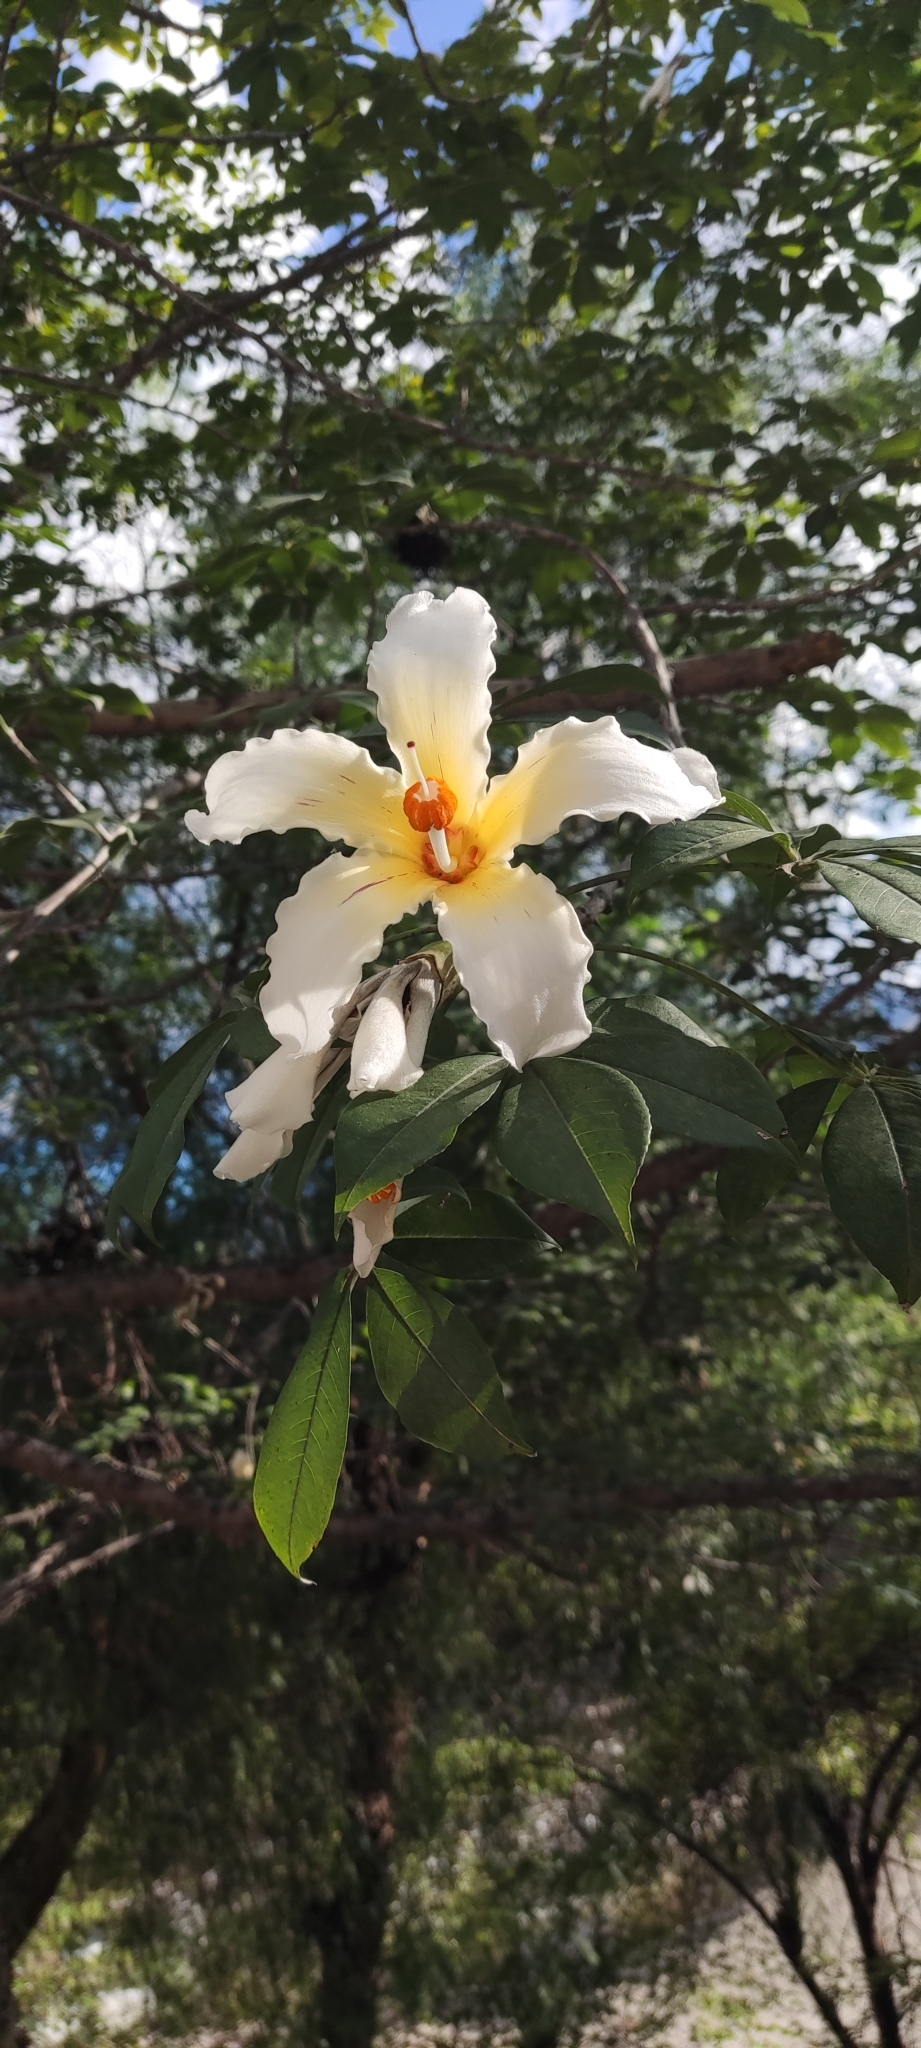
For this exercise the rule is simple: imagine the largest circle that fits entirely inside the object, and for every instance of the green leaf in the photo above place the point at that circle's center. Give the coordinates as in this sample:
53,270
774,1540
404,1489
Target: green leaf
747,1180
671,849
871,1160
614,1010
467,1237
742,807
161,1136
432,1180
898,447
693,1090
304,1445
803,1109
381,1137
578,1133
434,1368
787,10
907,847
887,897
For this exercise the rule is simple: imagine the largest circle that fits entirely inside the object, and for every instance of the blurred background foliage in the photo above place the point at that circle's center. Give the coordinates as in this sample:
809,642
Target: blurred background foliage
293,322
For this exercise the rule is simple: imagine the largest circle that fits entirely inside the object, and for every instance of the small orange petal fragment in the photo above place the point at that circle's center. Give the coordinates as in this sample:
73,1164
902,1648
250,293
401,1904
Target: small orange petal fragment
385,1194
432,811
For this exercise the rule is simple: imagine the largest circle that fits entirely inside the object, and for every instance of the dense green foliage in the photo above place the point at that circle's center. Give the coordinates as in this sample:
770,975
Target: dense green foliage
290,324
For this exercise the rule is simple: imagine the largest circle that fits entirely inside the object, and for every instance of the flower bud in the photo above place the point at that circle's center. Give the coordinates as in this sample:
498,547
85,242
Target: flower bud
390,1041
372,1224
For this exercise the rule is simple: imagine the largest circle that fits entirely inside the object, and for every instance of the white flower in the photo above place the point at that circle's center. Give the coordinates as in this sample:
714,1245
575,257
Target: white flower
437,830
372,1226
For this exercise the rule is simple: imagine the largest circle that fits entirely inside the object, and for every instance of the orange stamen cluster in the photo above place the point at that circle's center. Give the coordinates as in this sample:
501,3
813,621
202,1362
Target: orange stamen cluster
385,1194
429,805
468,860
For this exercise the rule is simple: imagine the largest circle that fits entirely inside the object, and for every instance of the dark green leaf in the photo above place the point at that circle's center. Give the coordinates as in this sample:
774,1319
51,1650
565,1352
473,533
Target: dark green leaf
742,807
803,1109
672,849
434,1368
160,1139
612,1011
871,1160
693,1090
577,1132
908,847
467,1237
382,1137
747,1179
887,897
304,1445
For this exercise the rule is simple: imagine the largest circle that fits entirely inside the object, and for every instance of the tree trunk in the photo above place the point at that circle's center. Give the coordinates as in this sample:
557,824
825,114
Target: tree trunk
38,1857
349,1926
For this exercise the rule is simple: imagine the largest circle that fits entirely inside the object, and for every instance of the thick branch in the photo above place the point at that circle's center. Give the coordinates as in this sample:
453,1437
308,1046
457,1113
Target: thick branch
698,675
126,1289
233,1522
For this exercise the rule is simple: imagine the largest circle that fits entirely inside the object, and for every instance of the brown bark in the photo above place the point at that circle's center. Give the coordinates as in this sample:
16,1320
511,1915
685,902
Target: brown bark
32,1867
127,1289
349,1924
700,675
233,1522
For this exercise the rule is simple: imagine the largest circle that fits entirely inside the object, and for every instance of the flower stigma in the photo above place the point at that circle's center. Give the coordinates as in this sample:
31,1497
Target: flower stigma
430,806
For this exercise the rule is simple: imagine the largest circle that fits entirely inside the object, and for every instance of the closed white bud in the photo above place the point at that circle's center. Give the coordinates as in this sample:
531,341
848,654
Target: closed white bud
390,1041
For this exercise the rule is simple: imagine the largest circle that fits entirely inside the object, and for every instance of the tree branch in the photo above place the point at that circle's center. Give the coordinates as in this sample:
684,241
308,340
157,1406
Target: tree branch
697,675
17,1593
233,1522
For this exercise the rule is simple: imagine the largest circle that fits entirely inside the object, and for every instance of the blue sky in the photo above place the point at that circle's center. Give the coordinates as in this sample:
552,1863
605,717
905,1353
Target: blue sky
438,22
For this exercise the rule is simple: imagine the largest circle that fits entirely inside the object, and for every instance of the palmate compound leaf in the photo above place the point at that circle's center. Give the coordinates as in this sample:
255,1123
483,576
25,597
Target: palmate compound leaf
467,1236
380,1138
886,895
669,850
693,1089
577,1132
160,1139
871,1160
434,1369
304,1445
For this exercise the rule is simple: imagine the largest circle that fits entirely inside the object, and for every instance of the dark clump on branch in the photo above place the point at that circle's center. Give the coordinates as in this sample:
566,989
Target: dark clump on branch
422,544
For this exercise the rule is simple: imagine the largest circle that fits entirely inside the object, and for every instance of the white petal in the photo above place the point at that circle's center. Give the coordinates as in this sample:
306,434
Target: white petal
251,1153
590,769
380,1054
390,1042
325,935
269,1106
302,778
522,956
430,674
372,1227
278,1096
698,769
